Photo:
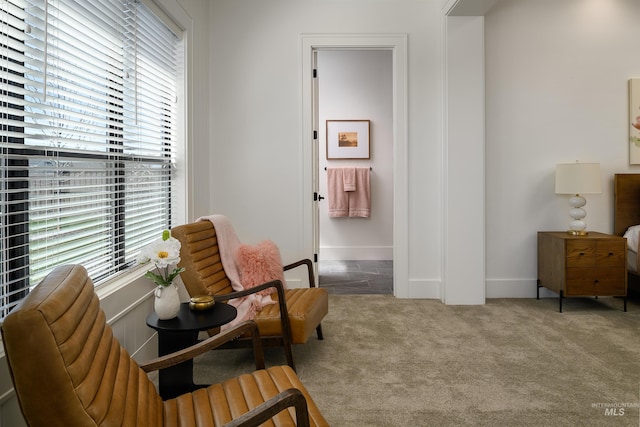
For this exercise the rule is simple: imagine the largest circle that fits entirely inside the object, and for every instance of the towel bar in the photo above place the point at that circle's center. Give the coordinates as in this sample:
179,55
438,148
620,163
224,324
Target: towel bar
370,168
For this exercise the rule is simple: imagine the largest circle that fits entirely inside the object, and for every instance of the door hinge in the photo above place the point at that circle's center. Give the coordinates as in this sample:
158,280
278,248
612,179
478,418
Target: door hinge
315,197
315,257
315,73
315,134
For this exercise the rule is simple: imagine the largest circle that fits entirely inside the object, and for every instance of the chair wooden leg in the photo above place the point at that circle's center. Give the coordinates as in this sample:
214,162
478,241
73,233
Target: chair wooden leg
288,352
319,332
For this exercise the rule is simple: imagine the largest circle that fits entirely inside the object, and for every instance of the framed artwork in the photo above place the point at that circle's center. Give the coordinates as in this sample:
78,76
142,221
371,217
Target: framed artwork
348,139
634,121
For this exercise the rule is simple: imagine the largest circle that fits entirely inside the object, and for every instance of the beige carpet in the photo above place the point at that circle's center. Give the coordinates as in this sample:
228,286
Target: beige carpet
393,362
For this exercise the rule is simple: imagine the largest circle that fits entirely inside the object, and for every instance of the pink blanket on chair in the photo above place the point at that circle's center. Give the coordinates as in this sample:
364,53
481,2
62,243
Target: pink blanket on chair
228,244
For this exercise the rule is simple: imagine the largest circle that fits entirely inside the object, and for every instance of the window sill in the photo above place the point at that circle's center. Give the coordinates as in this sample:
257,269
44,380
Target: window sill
109,287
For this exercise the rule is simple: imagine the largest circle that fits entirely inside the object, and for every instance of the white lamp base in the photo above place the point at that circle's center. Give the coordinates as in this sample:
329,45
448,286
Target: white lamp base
577,227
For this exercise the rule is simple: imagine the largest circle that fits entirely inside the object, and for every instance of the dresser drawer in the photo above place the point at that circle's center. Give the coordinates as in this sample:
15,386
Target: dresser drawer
611,253
581,253
596,281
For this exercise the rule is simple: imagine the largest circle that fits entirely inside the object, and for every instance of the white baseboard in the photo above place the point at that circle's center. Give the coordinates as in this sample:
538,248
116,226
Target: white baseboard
495,288
515,288
356,253
425,289
293,283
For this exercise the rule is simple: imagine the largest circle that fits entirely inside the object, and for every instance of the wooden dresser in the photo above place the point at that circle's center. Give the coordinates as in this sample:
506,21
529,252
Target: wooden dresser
591,265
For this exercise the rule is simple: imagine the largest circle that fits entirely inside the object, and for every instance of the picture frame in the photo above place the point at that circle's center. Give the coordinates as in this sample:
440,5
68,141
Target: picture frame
348,139
634,121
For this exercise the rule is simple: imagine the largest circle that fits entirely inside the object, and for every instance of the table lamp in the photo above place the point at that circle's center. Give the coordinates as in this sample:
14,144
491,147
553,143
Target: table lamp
576,179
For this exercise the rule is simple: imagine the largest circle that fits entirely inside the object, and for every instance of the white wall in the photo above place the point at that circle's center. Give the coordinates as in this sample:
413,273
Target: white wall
556,92
556,76
357,84
464,234
257,141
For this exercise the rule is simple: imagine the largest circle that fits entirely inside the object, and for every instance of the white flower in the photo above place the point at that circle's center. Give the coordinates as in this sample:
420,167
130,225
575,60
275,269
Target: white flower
163,252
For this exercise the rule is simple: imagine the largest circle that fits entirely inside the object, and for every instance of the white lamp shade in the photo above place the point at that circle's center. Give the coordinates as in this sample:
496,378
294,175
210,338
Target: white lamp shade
578,178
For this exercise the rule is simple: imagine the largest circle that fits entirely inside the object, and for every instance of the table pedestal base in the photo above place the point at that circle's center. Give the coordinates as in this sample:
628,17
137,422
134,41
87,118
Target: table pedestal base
178,379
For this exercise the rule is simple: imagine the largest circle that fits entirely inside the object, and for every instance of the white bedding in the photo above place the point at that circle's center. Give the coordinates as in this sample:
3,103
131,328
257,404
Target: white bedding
633,236
632,261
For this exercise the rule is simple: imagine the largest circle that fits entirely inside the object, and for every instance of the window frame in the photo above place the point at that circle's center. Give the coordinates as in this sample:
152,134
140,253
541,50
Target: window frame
126,271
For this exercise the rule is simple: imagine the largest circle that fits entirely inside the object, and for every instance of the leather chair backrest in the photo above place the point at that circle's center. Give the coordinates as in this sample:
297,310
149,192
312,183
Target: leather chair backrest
67,367
200,256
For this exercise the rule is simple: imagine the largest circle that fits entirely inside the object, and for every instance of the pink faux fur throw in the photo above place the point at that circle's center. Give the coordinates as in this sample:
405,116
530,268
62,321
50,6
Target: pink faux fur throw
259,264
228,243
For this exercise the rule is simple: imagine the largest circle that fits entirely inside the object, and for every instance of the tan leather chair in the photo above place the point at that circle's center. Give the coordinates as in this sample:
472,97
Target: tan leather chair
69,370
204,275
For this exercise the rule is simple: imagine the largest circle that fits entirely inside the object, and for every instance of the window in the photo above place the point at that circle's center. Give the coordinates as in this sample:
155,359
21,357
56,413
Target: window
88,137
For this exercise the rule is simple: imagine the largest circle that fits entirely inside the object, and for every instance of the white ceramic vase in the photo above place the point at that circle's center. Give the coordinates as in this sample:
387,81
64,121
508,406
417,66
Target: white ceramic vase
167,302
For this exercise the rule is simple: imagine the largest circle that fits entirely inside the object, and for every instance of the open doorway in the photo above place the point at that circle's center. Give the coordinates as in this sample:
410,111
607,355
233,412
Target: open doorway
356,85
397,44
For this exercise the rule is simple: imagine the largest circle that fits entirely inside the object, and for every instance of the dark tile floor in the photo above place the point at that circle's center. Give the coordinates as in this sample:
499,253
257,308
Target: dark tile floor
356,277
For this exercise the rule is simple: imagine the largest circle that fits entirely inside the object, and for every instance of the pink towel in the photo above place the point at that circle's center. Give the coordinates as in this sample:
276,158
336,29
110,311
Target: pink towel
228,244
349,179
338,198
360,199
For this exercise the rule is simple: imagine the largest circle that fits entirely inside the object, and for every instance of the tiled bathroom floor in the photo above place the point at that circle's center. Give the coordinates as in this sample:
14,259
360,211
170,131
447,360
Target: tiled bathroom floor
356,277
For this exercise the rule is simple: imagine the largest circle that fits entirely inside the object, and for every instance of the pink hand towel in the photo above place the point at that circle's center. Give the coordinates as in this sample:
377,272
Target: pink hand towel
360,200
349,179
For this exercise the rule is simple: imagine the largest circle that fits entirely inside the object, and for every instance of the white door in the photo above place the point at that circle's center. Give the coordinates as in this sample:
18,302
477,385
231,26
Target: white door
315,164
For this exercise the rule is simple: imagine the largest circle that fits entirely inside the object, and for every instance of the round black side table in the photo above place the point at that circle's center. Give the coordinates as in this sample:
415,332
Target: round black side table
182,332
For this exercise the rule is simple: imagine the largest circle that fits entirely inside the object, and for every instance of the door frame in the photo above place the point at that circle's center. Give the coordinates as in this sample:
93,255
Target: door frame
397,43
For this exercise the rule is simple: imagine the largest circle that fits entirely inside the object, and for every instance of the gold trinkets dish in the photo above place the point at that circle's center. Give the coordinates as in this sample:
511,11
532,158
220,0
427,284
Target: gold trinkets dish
201,302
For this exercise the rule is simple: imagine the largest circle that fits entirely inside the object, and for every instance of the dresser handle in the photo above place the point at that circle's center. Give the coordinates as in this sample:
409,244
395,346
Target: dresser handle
581,253
595,282
610,253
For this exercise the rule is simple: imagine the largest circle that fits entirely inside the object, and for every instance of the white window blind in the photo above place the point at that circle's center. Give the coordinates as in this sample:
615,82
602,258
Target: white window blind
88,137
